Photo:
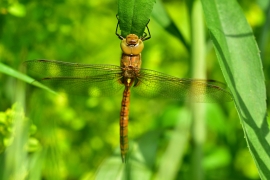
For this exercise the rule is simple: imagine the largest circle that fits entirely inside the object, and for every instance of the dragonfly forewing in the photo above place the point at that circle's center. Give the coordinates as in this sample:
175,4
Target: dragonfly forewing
77,79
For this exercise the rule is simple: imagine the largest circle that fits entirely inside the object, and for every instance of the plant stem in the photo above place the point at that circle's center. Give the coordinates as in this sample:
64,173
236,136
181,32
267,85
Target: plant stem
198,71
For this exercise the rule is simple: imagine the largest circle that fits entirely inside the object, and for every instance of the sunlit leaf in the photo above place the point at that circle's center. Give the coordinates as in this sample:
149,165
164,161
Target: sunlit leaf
240,62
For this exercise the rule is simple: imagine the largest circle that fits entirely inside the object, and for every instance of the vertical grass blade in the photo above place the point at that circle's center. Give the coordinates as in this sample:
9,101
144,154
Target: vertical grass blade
240,62
198,72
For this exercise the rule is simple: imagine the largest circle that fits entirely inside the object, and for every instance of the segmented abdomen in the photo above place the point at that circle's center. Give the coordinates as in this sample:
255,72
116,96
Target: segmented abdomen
124,123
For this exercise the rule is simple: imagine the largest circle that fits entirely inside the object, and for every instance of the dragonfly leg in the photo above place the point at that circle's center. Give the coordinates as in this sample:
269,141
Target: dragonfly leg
118,35
145,37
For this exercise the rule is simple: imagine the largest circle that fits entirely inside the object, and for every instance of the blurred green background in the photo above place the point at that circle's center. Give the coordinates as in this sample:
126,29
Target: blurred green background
47,136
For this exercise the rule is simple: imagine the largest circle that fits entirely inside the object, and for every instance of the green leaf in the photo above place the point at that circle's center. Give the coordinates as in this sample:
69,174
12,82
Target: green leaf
172,158
134,15
9,71
161,16
141,159
146,149
111,168
240,62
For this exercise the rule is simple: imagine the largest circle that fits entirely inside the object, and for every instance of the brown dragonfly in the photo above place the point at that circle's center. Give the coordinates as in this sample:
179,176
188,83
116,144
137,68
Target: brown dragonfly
107,80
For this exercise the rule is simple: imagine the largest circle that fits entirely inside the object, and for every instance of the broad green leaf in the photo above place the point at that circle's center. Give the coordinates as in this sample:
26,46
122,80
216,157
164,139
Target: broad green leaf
11,72
139,164
146,148
134,16
241,65
111,168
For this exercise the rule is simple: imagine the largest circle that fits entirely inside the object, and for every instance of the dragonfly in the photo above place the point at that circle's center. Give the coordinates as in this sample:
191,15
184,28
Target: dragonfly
104,79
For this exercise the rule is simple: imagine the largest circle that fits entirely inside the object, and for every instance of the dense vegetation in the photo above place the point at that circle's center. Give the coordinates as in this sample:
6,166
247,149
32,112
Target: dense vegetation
49,136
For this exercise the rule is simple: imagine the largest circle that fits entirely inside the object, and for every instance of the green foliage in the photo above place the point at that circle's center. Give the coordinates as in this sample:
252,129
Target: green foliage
11,72
6,119
17,140
67,137
161,16
240,62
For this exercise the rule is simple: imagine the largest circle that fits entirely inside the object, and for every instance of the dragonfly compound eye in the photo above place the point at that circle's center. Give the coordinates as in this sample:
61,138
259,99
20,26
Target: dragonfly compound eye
132,45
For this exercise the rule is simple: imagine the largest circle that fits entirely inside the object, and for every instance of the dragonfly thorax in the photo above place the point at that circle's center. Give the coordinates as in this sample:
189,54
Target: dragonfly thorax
132,45
130,72
129,75
131,58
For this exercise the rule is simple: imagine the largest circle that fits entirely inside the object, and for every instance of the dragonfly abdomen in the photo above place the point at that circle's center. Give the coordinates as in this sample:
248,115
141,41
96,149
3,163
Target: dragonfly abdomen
124,123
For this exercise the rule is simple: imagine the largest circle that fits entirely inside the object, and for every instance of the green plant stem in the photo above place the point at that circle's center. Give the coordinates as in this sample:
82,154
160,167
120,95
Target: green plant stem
198,71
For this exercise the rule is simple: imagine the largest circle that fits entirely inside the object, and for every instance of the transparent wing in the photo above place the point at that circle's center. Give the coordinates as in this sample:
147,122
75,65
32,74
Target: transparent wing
74,78
155,84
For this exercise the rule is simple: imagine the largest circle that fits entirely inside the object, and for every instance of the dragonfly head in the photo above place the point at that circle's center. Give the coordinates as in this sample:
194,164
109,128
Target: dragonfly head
132,39
132,45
